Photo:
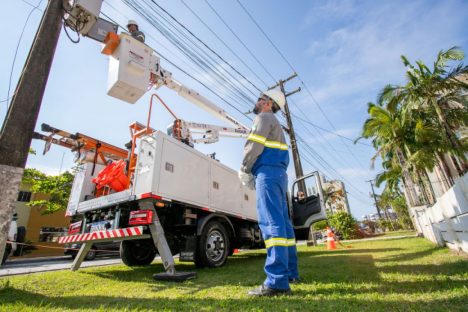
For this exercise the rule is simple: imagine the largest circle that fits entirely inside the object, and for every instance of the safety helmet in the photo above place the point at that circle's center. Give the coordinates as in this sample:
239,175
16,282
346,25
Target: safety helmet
277,96
132,22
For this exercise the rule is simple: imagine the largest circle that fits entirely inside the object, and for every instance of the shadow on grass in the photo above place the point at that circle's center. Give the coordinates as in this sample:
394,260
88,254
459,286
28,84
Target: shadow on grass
298,301
329,278
408,256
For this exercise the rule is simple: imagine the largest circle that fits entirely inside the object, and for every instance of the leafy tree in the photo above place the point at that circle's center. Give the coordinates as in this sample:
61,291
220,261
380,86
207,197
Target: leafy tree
56,188
413,126
399,206
344,223
435,99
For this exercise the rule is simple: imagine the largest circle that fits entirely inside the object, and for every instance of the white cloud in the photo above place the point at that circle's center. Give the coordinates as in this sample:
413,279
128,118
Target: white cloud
364,54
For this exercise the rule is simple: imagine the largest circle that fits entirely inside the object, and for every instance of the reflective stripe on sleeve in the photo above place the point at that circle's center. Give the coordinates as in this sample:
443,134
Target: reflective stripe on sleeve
256,138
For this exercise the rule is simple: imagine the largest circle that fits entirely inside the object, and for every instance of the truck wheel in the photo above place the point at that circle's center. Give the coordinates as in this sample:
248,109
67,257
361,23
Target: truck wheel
213,245
91,255
137,252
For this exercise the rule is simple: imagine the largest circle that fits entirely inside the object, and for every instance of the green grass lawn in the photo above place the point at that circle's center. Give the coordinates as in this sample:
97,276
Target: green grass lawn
397,233
391,275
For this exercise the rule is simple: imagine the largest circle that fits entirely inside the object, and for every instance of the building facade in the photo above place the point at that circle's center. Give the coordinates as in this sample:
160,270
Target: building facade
336,197
42,230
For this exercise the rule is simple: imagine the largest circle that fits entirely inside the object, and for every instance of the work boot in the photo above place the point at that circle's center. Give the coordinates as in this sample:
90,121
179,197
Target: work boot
295,280
267,291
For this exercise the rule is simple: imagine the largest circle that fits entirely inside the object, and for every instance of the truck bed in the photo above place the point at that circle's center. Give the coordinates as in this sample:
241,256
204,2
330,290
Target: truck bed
175,171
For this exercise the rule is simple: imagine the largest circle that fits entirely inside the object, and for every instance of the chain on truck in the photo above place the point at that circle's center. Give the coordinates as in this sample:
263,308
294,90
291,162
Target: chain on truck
161,196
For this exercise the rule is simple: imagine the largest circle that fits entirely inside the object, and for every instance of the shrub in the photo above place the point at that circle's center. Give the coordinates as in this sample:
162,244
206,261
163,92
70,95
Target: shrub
344,223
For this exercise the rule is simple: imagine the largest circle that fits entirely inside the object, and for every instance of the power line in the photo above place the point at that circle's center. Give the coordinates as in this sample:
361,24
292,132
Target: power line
240,40
300,79
324,163
186,73
204,61
334,153
329,131
16,50
160,44
208,47
225,44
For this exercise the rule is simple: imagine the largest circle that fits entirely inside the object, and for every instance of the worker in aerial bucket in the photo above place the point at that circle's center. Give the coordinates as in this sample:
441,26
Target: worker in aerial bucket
266,159
133,29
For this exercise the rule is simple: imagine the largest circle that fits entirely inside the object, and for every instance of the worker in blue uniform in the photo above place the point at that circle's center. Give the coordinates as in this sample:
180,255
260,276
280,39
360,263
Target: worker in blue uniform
264,165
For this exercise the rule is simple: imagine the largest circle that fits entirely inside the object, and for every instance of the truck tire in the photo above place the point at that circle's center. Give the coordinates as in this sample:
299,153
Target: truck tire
137,252
20,238
213,246
91,255
6,253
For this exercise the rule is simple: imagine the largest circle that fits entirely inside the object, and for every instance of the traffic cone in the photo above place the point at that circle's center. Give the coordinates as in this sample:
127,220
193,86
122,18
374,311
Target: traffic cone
331,245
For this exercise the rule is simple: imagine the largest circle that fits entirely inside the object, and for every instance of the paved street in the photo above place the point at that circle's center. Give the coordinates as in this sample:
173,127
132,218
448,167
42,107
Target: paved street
25,266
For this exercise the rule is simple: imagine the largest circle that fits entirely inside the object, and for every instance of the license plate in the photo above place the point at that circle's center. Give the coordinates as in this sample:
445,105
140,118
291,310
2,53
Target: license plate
101,226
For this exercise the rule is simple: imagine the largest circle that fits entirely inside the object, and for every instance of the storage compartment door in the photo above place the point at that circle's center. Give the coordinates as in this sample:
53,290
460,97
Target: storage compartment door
225,190
184,174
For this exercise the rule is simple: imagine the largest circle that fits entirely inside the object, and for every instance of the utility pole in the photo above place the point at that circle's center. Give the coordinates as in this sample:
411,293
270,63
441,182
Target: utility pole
292,135
375,198
20,121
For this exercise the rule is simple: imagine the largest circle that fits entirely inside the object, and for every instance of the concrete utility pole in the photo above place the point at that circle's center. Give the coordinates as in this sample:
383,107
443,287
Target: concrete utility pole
375,198
292,135
18,128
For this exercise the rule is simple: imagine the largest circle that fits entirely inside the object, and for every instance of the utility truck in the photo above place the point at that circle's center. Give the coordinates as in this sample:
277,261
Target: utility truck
161,195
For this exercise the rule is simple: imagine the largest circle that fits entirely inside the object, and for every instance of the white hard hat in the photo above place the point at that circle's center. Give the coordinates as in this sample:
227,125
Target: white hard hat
277,96
132,22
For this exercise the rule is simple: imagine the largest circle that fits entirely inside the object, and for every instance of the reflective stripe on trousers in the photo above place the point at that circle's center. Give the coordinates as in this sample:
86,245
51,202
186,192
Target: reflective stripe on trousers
276,227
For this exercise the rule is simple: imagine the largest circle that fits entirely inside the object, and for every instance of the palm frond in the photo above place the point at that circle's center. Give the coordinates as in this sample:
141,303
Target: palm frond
452,54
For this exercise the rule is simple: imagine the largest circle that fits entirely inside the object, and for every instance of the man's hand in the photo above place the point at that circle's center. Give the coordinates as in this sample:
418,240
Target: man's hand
247,179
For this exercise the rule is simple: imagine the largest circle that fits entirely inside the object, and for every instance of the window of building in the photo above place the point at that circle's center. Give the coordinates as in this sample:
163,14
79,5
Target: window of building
24,196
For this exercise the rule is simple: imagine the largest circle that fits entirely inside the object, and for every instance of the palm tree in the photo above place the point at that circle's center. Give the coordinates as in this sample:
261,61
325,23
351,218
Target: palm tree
438,96
414,127
394,139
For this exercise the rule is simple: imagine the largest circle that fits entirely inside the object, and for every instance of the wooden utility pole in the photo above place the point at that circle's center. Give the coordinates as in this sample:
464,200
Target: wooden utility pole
375,199
20,121
292,135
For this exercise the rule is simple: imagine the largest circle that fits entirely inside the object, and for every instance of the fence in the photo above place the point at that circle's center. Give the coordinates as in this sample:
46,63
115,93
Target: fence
446,222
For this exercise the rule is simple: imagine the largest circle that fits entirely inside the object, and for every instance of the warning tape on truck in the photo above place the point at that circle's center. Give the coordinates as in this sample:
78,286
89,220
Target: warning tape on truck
132,231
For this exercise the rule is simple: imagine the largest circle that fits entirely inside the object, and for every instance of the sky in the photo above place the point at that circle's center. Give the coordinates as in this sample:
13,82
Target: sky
345,52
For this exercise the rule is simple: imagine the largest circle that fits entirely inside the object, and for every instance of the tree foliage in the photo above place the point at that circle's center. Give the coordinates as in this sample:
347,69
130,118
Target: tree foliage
344,223
413,125
55,188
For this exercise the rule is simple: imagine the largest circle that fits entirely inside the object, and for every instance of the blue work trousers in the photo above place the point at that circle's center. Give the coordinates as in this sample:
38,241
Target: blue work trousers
277,230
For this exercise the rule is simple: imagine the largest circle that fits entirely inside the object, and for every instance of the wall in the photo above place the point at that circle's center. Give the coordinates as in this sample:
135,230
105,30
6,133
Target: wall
446,222
33,220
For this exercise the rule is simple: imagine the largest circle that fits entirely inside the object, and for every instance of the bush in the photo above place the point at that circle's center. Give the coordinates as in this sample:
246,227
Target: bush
320,225
344,224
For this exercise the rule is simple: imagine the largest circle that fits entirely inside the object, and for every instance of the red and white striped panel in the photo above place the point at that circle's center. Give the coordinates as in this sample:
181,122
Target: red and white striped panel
131,231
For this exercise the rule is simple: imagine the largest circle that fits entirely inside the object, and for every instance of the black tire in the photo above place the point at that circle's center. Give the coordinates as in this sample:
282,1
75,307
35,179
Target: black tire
91,255
20,238
6,253
137,252
213,245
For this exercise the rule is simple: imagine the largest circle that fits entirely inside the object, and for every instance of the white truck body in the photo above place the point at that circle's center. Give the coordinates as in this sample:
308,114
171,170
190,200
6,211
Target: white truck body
176,171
